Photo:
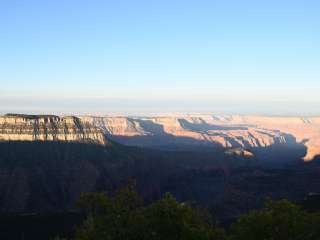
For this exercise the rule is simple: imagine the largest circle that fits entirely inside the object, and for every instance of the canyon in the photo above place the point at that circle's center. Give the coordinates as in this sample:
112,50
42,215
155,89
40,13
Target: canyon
47,161
227,131
173,132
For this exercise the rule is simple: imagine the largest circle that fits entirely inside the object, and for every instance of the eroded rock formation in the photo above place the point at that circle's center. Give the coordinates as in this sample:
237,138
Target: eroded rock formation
186,131
230,131
18,127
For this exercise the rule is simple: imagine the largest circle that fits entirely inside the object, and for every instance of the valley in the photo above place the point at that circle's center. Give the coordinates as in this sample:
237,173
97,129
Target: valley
227,165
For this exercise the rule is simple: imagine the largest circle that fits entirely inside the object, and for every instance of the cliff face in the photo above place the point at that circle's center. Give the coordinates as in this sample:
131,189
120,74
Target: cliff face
17,127
186,130
170,131
45,176
229,131
306,130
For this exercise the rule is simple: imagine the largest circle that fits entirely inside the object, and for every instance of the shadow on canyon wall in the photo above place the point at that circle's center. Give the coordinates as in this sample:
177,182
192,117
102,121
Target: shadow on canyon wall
157,138
204,127
279,153
48,177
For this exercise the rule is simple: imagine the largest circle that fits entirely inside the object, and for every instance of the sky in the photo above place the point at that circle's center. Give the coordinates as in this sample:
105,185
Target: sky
145,56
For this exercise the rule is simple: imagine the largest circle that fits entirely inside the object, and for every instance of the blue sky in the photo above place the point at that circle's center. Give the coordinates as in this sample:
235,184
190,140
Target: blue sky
134,56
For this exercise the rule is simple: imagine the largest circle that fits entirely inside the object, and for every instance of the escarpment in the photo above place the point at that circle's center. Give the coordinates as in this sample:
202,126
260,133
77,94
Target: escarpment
19,127
163,131
229,131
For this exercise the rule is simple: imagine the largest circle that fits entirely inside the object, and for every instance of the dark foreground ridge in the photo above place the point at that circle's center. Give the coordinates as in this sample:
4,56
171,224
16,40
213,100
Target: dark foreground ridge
44,176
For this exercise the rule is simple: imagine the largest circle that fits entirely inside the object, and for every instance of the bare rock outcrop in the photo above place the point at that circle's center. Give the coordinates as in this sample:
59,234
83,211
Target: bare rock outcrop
187,130
18,127
230,131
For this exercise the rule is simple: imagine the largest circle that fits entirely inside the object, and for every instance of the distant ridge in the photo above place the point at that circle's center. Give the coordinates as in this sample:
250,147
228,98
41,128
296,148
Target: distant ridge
24,127
29,116
229,131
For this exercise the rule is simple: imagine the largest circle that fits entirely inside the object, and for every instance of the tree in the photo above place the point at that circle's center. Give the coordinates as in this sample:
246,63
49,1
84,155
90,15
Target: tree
278,220
170,220
124,217
110,218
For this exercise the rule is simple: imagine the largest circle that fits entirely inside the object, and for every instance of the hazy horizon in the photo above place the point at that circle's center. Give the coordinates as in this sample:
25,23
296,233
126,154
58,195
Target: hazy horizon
142,57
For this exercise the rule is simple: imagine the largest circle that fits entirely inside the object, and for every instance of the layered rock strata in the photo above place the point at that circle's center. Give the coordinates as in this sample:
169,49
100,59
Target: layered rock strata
18,127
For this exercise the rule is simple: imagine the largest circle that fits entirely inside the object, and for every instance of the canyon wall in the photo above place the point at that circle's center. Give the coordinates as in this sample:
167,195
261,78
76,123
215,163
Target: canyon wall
228,131
18,127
